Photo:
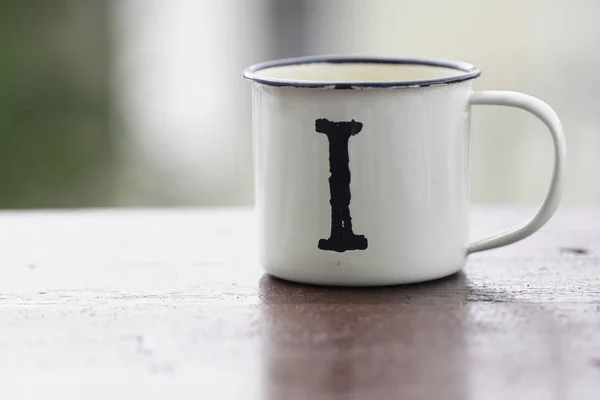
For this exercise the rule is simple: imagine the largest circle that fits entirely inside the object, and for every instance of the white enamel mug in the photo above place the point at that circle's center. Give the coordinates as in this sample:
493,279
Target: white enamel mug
362,168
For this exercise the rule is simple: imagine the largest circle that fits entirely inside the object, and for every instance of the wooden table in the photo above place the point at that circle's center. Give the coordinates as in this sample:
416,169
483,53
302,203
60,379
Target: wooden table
124,304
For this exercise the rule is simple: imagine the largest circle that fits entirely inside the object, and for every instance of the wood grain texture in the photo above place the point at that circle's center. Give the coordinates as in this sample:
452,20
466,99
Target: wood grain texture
170,304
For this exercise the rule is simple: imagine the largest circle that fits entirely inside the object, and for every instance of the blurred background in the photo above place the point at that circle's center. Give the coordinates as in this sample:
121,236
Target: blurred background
141,102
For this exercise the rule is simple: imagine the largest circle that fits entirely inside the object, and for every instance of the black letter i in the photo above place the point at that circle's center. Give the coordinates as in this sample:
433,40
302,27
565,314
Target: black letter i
342,237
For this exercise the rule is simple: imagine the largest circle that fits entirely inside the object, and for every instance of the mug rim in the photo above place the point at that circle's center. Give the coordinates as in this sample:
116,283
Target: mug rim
469,72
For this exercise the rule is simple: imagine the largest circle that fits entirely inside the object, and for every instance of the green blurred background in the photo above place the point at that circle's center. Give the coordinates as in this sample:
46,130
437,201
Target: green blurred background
57,145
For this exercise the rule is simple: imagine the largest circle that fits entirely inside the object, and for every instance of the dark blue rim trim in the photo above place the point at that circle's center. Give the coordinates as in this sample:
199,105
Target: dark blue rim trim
470,72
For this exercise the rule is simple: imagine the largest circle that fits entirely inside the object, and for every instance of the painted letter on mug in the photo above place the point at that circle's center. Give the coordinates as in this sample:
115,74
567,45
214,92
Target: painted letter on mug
342,237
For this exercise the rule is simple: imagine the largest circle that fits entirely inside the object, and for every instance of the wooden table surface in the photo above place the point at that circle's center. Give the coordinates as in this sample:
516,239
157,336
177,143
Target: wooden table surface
123,304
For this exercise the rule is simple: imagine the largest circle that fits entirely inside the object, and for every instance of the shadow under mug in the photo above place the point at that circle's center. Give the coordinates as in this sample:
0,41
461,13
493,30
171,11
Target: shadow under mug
362,168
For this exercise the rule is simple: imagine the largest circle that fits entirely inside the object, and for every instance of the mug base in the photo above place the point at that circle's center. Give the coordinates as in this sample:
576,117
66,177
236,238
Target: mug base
298,277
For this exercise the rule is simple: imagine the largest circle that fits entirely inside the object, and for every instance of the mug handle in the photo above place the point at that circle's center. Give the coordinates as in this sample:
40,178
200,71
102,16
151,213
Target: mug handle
547,115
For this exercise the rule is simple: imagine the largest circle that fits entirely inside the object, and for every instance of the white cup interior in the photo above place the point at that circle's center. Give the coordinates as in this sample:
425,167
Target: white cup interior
357,72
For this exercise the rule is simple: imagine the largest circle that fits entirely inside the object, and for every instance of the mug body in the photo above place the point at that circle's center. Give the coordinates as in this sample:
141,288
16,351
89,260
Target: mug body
362,186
